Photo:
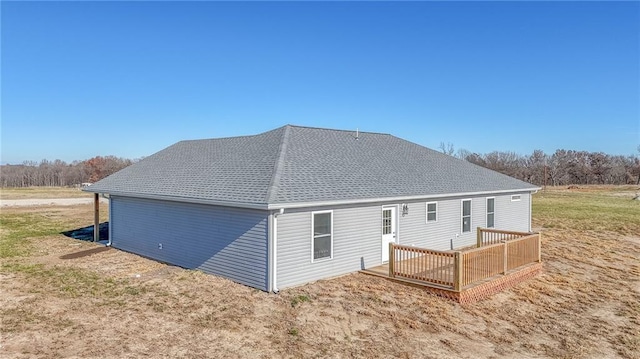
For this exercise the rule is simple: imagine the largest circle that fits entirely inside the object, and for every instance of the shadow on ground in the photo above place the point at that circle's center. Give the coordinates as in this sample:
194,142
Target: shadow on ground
86,233
84,253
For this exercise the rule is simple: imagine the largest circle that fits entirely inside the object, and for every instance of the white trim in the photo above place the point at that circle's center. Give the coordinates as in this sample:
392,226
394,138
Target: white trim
397,210
530,200
426,207
313,213
110,223
487,212
462,215
274,268
265,206
391,199
262,206
396,221
516,197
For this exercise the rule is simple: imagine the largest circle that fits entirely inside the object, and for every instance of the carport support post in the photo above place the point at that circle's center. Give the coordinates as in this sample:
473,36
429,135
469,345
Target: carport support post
96,217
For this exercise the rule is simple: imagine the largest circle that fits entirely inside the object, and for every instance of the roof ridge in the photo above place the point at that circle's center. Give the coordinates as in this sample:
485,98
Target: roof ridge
338,129
274,186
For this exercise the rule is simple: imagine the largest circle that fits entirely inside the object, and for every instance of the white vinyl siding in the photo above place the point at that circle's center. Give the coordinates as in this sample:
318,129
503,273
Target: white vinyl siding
357,238
432,212
446,233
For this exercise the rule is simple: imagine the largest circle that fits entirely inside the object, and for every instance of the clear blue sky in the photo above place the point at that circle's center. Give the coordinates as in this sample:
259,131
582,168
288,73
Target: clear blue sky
81,79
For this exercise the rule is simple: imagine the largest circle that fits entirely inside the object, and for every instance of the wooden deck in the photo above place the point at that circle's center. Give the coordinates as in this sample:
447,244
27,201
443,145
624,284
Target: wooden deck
471,293
495,264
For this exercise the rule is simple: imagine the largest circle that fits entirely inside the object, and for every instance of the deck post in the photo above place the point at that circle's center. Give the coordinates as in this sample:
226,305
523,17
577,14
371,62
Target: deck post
457,271
539,247
96,217
391,261
505,253
479,236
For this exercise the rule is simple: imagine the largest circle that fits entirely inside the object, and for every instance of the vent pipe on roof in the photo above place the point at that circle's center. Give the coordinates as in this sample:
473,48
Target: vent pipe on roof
357,133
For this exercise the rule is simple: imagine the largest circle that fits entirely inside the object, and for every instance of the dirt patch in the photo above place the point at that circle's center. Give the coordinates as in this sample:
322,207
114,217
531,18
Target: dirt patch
47,202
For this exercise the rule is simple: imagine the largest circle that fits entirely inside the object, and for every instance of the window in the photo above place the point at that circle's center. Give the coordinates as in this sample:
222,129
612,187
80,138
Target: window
432,212
491,205
322,241
515,197
387,223
466,215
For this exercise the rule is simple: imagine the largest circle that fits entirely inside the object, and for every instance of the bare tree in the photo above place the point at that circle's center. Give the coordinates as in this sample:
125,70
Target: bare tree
59,173
447,149
637,160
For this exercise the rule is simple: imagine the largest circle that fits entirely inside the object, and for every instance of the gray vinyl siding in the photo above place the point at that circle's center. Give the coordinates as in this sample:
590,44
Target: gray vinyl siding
356,244
357,234
225,241
515,216
447,230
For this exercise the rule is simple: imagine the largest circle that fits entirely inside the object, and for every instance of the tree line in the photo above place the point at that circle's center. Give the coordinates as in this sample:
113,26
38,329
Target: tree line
563,167
60,173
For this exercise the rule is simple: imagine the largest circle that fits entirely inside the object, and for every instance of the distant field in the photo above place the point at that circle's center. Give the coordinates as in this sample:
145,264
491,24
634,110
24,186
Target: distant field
603,208
66,298
41,192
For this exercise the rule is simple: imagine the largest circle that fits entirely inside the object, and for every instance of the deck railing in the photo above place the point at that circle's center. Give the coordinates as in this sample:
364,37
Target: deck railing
435,267
488,236
482,263
457,269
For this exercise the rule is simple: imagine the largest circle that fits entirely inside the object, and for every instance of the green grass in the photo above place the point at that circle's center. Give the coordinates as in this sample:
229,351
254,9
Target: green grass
17,228
299,299
73,282
22,231
586,211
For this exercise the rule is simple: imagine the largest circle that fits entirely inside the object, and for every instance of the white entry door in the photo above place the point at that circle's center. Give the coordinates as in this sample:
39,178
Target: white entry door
388,230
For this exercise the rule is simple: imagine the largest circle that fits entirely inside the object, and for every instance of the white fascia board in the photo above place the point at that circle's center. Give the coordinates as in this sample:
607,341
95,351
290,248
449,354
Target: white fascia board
261,206
277,206
392,199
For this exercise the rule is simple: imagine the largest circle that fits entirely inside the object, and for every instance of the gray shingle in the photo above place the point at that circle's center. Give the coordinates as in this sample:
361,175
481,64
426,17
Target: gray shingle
294,164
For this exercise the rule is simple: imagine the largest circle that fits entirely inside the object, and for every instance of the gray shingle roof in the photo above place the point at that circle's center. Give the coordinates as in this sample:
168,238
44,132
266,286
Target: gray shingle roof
294,165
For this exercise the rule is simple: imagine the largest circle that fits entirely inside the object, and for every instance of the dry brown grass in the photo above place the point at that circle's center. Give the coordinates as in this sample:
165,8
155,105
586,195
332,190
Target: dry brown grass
116,304
41,192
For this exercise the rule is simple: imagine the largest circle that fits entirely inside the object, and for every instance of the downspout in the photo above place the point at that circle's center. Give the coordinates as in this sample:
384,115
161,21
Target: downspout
530,211
275,250
110,221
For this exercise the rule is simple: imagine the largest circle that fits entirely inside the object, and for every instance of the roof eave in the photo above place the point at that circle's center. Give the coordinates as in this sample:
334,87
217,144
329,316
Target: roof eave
249,205
276,206
286,205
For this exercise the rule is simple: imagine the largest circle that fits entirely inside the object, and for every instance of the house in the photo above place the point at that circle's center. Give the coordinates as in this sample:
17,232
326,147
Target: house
298,204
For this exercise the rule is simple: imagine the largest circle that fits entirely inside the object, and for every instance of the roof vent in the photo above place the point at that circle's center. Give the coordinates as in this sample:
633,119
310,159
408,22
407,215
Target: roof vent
357,133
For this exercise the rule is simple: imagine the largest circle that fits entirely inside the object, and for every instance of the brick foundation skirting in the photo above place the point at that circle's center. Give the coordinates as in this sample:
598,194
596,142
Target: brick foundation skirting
475,293
485,290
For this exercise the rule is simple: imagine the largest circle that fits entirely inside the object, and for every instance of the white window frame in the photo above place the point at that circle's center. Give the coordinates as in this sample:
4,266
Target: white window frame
426,206
313,216
493,213
516,197
462,215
